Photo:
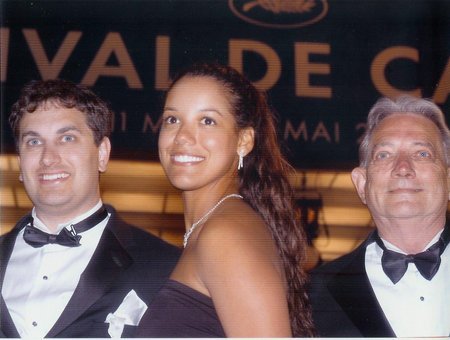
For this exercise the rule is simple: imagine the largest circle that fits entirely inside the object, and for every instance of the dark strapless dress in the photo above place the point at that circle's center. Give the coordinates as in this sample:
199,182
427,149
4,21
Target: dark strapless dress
179,311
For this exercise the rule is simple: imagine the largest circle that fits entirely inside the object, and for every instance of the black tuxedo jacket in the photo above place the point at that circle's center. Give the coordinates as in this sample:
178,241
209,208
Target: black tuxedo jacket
343,301
126,258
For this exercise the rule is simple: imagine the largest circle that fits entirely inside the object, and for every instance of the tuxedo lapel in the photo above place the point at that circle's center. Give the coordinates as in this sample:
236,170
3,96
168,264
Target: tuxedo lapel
351,288
109,260
6,247
8,329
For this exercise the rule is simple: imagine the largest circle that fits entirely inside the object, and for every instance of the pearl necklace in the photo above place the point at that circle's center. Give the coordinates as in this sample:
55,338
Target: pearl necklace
203,218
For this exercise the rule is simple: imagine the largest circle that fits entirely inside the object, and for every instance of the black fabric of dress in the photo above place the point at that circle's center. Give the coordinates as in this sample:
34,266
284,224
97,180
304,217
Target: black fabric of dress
179,311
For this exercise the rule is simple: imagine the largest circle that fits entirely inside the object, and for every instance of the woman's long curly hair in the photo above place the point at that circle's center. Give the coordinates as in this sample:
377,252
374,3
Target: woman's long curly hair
264,184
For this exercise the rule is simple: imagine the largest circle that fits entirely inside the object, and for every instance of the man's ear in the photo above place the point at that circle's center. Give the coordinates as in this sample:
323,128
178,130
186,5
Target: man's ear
104,150
20,169
359,178
448,183
246,141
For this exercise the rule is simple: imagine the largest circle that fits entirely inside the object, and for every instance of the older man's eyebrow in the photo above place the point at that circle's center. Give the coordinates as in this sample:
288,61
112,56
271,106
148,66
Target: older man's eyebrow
381,144
426,144
415,143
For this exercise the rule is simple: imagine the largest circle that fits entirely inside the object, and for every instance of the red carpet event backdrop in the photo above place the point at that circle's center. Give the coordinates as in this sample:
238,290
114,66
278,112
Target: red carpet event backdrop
322,62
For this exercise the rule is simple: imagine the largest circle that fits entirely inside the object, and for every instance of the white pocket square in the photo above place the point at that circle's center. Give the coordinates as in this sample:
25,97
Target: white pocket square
129,312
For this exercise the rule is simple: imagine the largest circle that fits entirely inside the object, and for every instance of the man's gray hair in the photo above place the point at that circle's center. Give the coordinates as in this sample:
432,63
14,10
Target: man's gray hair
404,104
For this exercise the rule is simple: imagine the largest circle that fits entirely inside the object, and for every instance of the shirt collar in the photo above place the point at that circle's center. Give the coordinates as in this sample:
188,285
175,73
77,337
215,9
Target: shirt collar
390,246
40,225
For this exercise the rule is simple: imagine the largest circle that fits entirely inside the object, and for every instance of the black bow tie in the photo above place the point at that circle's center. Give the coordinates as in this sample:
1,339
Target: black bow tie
69,238
395,264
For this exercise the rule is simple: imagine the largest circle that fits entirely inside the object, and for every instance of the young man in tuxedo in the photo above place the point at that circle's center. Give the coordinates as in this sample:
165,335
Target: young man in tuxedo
396,282
72,267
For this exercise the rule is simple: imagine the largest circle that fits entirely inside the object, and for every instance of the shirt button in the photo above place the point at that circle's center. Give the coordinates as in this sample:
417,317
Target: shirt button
422,298
45,277
34,323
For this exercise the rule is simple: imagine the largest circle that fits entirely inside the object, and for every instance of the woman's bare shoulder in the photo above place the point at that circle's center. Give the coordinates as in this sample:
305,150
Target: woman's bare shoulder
234,222
236,234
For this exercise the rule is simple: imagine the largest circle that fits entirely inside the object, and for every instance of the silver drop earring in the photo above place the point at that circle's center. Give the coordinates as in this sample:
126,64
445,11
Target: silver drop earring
241,160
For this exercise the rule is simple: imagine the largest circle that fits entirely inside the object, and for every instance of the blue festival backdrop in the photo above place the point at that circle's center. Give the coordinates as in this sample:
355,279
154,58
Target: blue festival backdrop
323,63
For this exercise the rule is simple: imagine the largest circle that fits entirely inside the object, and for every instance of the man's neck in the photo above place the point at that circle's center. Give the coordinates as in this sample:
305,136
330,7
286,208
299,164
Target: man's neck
54,219
410,235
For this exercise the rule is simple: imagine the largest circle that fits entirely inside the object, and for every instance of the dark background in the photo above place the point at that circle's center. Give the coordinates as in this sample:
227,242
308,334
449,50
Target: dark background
355,32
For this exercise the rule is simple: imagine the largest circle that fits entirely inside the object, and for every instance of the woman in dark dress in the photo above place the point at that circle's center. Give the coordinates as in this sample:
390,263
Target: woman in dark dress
240,272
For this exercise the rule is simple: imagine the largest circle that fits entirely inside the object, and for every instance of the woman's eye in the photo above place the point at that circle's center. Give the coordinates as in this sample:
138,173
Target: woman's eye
208,121
170,120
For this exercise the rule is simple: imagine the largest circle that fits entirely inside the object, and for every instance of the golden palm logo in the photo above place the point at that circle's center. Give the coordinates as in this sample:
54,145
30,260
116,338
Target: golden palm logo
279,13
280,6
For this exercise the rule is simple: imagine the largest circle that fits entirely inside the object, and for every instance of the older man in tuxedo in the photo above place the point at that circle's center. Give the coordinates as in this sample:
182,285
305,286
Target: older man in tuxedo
72,268
396,282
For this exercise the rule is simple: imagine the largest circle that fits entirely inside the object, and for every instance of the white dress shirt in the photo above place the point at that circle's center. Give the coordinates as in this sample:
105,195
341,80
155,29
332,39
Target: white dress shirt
39,282
415,307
